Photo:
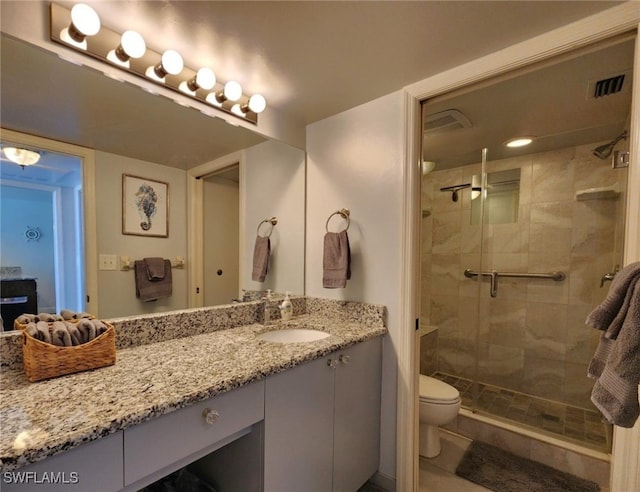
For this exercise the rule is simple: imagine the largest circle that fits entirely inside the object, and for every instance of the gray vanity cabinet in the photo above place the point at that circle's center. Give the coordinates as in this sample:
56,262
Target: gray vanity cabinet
97,465
322,422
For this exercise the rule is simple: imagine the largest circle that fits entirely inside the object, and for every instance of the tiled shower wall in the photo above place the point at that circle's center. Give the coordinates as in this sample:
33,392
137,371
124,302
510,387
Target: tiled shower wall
532,337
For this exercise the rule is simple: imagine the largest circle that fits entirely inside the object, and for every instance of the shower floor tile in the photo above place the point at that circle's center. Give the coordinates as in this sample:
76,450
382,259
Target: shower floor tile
578,425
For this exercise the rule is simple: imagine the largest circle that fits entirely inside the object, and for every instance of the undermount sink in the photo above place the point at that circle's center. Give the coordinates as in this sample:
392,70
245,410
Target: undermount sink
292,335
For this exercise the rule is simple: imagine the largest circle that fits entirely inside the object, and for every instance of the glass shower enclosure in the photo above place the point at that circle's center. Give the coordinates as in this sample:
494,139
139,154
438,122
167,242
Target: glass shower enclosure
519,244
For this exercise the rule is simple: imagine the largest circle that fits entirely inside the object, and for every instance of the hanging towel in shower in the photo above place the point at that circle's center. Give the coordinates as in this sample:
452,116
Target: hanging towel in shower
261,254
151,284
611,313
336,260
615,392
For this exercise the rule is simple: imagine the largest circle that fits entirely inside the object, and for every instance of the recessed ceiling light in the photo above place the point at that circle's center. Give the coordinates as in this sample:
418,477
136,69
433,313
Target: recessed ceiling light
519,142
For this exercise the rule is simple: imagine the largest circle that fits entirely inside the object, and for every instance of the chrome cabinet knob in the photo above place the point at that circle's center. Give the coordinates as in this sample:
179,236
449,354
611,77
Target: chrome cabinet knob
210,416
345,359
332,363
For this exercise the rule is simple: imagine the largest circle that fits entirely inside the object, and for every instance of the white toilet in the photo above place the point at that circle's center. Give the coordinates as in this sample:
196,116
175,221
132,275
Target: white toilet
439,405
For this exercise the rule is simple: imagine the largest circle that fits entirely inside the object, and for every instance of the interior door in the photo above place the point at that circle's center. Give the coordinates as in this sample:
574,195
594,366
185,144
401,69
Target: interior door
221,237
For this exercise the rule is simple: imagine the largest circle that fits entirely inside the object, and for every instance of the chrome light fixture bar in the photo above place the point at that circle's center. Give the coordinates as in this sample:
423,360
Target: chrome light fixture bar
80,29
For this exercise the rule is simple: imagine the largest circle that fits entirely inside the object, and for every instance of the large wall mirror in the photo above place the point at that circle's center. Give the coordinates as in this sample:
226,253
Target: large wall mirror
133,132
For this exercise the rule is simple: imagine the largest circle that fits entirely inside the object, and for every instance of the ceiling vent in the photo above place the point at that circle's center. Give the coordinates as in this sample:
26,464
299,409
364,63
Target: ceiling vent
450,119
609,85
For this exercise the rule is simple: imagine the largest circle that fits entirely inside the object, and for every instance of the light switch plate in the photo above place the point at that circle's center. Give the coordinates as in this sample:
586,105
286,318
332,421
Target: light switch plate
107,262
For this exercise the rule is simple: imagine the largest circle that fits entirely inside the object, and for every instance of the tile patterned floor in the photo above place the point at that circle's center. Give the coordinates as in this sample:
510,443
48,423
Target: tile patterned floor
578,425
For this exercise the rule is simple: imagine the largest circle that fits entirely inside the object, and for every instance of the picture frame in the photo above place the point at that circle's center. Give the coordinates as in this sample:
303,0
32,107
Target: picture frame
145,206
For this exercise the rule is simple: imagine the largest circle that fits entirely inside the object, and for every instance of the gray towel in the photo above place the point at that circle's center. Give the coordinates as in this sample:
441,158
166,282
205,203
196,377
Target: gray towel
615,393
336,260
100,327
68,315
32,330
76,336
156,268
148,289
610,314
43,330
23,319
49,318
87,330
60,335
261,254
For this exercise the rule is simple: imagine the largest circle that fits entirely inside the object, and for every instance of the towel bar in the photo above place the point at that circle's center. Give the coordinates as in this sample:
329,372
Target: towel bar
557,276
126,263
345,213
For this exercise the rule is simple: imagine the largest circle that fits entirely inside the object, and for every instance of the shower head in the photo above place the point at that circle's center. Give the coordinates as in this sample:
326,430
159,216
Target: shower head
604,151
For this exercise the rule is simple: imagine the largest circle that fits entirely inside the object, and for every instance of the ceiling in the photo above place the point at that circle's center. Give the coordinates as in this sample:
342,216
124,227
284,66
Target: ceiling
552,102
311,59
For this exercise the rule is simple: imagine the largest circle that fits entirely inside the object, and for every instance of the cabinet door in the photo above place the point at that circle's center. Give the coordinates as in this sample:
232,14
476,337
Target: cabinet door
357,415
299,429
96,465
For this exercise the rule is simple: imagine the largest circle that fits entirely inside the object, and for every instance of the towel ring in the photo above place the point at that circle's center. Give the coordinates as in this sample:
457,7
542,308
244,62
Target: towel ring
345,213
273,221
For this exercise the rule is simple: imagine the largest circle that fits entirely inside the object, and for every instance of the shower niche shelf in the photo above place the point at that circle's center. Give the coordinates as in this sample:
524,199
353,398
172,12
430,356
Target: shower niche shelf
602,193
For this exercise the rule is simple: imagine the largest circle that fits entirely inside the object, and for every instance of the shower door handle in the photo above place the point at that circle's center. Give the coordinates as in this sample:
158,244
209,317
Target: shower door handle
608,277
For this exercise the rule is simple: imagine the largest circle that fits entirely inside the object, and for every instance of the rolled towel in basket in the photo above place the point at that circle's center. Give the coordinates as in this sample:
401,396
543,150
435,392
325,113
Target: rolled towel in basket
76,336
87,330
43,331
49,318
25,318
32,330
68,315
60,335
100,327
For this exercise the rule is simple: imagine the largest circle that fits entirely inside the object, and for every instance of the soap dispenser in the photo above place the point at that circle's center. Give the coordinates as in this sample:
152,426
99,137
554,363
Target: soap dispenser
286,309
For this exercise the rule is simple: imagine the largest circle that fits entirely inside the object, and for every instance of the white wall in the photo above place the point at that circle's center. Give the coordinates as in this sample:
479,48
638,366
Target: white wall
274,185
355,161
116,289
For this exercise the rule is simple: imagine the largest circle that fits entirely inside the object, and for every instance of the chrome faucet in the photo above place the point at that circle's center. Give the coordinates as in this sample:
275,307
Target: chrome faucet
608,277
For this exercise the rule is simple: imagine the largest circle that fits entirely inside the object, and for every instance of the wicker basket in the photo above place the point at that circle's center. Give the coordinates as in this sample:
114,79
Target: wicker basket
44,361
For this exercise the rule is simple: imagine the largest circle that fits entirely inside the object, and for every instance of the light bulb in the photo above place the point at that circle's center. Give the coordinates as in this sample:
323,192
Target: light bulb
172,62
132,44
84,22
257,103
205,78
232,90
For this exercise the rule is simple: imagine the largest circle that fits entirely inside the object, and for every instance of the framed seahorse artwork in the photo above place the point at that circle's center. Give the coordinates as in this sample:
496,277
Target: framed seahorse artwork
145,206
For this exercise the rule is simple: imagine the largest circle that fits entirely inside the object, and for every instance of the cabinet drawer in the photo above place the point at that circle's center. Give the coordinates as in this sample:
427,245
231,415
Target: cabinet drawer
93,466
168,439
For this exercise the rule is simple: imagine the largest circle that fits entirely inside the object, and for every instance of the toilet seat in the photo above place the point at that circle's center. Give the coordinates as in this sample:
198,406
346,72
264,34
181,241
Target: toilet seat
433,390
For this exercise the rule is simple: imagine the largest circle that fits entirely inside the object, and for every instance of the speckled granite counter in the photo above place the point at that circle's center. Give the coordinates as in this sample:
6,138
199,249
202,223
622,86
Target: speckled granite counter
42,419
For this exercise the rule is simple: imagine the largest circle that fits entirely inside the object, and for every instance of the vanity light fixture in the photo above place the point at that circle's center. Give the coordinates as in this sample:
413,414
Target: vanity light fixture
84,22
20,156
80,29
518,142
131,45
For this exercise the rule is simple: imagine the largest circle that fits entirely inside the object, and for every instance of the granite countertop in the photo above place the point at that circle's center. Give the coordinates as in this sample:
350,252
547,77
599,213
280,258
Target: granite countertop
45,418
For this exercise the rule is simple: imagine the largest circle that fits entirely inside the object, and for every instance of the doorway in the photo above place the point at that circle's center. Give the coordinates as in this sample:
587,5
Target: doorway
41,227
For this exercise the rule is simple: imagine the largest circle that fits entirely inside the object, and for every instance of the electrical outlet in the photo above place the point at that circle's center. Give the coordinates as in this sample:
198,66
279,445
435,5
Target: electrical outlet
107,262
